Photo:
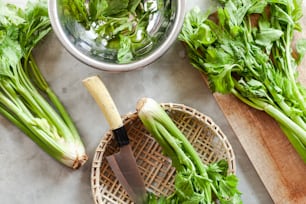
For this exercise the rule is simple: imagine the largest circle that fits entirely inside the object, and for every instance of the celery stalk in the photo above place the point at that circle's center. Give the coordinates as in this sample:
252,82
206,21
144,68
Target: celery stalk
195,182
25,97
252,59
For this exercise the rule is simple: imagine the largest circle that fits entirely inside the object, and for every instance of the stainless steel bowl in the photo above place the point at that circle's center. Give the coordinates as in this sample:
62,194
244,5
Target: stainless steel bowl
82,45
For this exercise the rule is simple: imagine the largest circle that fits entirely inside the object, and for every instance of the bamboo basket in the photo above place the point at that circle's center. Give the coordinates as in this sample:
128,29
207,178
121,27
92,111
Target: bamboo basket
206,137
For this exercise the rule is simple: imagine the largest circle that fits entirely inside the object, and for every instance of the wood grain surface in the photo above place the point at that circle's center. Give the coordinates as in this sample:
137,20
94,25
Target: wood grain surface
278,165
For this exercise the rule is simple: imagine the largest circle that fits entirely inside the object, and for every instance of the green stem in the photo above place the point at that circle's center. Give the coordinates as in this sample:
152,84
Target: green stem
296,118
43,85
8,90
188,148
290,70
245,100
24,123
172,143
285,107
37,102
296,143
280,117
150,124
298,132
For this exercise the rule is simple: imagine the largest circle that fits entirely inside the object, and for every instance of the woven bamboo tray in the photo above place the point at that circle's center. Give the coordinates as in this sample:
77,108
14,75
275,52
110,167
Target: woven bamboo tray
206,137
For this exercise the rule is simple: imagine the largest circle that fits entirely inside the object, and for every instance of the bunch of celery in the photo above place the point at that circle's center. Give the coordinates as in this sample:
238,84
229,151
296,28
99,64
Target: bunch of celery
25,97
247,51
195,182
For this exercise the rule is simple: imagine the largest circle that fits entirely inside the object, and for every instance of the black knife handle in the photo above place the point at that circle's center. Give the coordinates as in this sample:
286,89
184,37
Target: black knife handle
121,136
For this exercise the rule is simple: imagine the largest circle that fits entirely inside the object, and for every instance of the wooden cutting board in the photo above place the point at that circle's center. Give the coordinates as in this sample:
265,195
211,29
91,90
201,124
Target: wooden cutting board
278,165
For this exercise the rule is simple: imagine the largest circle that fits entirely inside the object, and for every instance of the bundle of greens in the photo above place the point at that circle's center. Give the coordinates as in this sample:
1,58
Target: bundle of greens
119,25
25,97
195,182
245,48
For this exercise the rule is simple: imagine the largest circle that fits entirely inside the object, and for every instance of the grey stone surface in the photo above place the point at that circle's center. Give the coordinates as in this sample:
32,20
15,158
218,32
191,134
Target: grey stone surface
28,175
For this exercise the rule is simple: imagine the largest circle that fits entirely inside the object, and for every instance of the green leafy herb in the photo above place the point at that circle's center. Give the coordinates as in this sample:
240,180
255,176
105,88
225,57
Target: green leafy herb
115,7
247,52
195,182
25,97
115,21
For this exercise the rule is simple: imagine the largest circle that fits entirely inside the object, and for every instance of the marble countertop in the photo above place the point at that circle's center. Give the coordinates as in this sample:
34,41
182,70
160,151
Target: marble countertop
29,175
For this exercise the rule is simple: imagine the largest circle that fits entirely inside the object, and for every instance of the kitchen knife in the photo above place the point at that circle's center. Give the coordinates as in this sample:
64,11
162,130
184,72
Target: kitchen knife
122,163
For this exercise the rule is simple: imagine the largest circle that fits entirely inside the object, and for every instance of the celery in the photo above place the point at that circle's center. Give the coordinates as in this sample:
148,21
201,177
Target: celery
253,60
195,182
25,97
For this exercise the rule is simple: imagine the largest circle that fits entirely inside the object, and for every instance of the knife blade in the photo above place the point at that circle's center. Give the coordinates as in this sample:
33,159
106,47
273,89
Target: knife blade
122,163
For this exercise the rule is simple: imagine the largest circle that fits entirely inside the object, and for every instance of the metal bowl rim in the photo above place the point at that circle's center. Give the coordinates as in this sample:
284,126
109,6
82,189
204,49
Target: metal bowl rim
57,28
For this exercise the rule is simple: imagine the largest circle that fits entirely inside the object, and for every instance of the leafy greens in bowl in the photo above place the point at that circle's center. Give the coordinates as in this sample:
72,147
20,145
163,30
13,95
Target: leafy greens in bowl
116,35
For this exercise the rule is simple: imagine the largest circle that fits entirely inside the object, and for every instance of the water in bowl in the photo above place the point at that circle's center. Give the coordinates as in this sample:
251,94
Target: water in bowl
92,44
